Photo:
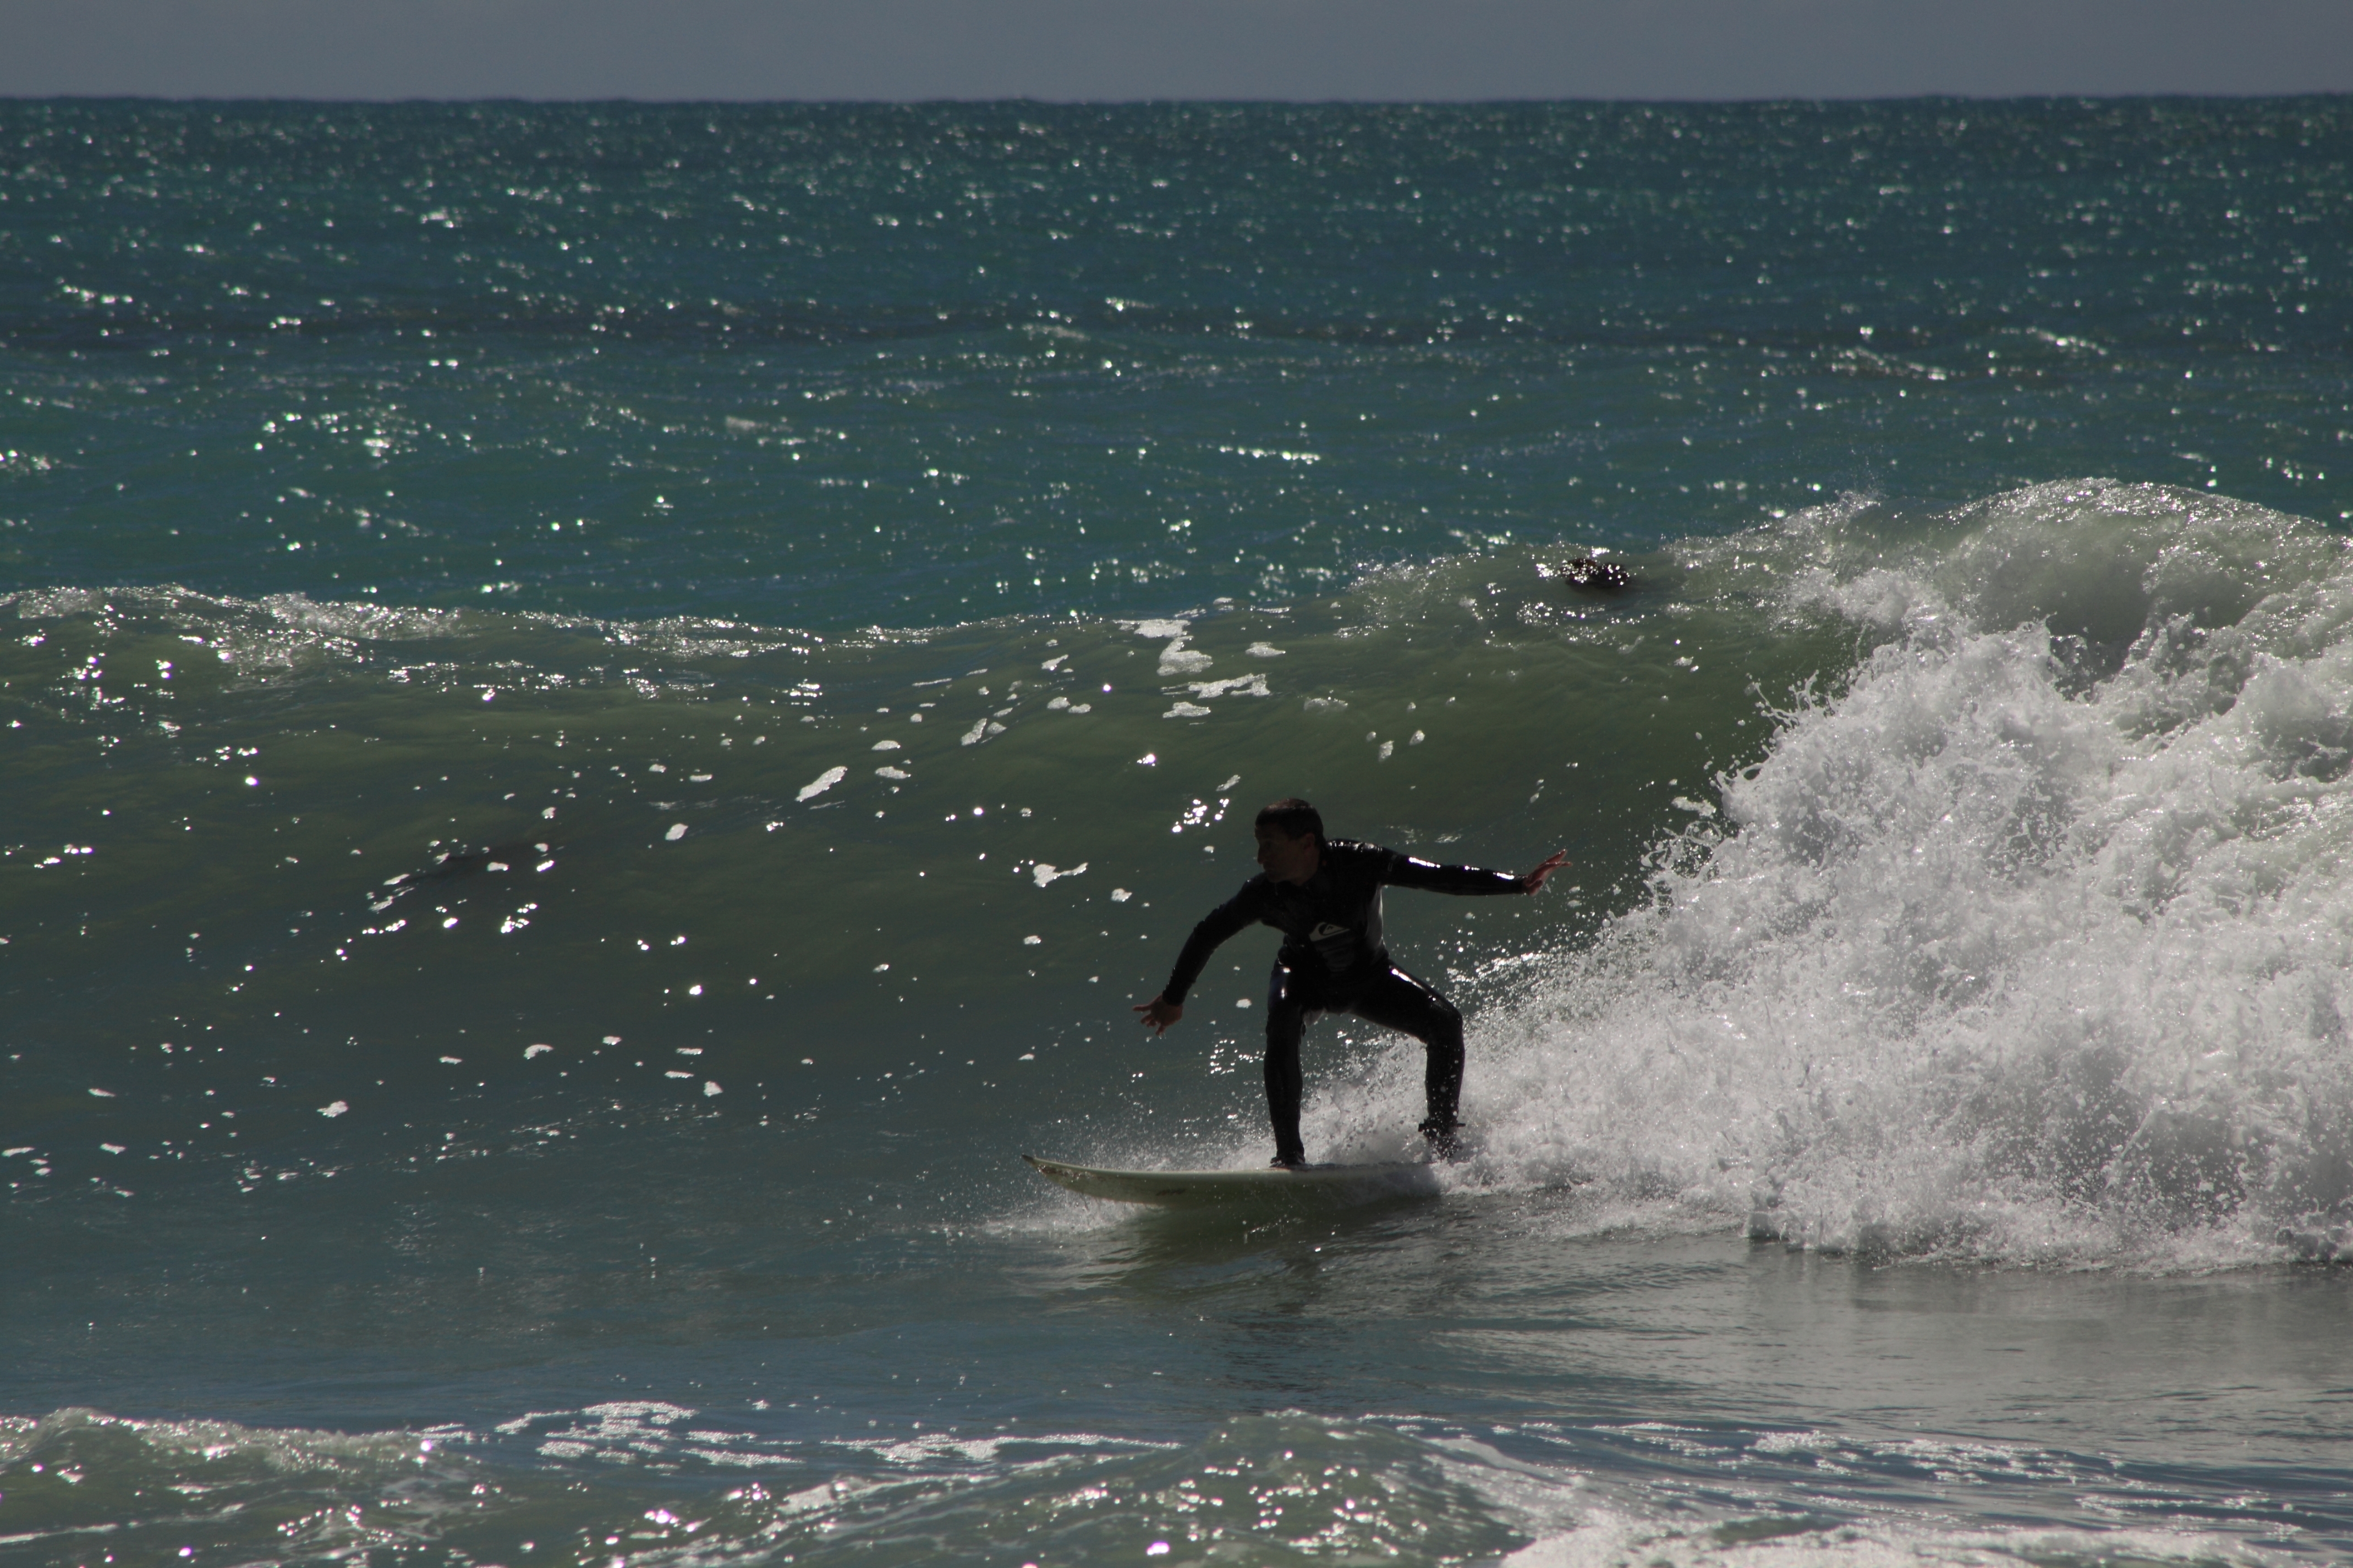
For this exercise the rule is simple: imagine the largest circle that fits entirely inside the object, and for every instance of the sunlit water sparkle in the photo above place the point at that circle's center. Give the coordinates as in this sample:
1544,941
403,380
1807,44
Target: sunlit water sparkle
606,709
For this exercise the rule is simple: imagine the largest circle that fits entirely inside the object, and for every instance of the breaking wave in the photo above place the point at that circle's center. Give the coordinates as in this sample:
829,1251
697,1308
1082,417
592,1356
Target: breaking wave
2031,937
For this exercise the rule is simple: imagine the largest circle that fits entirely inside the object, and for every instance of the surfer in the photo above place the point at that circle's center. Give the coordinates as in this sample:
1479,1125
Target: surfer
1324,896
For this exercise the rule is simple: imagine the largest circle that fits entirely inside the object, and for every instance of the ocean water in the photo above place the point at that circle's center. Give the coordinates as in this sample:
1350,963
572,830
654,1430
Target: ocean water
606,708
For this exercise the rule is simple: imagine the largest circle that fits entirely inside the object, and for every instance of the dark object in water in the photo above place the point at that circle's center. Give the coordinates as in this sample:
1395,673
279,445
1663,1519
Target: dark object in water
462,861
1587,573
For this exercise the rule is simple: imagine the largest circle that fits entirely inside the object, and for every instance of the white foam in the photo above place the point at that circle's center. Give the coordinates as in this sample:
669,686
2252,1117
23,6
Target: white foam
1178,659
822,783
1159,631
1610,1539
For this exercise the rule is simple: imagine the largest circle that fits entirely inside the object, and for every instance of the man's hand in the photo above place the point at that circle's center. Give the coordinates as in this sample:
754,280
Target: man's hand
1159,1013
1534,879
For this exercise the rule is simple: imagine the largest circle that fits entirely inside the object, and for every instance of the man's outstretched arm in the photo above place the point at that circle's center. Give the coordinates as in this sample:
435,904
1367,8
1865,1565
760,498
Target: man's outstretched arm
1215,928
1468,881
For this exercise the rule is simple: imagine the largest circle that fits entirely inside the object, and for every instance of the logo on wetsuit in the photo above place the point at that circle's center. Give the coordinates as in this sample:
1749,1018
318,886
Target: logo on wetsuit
1339,946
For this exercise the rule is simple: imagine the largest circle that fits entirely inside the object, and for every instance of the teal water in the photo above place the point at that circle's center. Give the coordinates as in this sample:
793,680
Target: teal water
606,709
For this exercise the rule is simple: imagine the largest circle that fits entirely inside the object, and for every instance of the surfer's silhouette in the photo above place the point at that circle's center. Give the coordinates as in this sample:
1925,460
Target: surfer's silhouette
1324,896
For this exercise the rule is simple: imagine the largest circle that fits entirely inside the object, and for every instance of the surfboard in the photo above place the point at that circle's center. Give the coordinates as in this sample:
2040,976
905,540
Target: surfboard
1332,1185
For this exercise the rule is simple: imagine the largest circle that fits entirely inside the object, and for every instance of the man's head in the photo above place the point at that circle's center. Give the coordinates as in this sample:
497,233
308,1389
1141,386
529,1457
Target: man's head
1289,840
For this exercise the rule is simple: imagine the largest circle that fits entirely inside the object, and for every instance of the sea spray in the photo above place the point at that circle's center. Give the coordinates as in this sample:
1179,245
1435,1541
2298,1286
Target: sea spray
1997,953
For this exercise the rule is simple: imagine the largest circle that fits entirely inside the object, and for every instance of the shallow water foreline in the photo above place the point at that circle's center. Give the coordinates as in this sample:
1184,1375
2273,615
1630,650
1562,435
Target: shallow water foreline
1570,1452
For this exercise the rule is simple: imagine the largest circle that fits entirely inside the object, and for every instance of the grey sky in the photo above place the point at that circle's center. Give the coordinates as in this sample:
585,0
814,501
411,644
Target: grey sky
1384,49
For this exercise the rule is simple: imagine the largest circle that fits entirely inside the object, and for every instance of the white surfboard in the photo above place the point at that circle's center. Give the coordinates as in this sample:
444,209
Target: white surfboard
1270,1185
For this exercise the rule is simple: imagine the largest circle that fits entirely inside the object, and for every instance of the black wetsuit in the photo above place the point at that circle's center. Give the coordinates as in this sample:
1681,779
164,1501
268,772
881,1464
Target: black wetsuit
1333,960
